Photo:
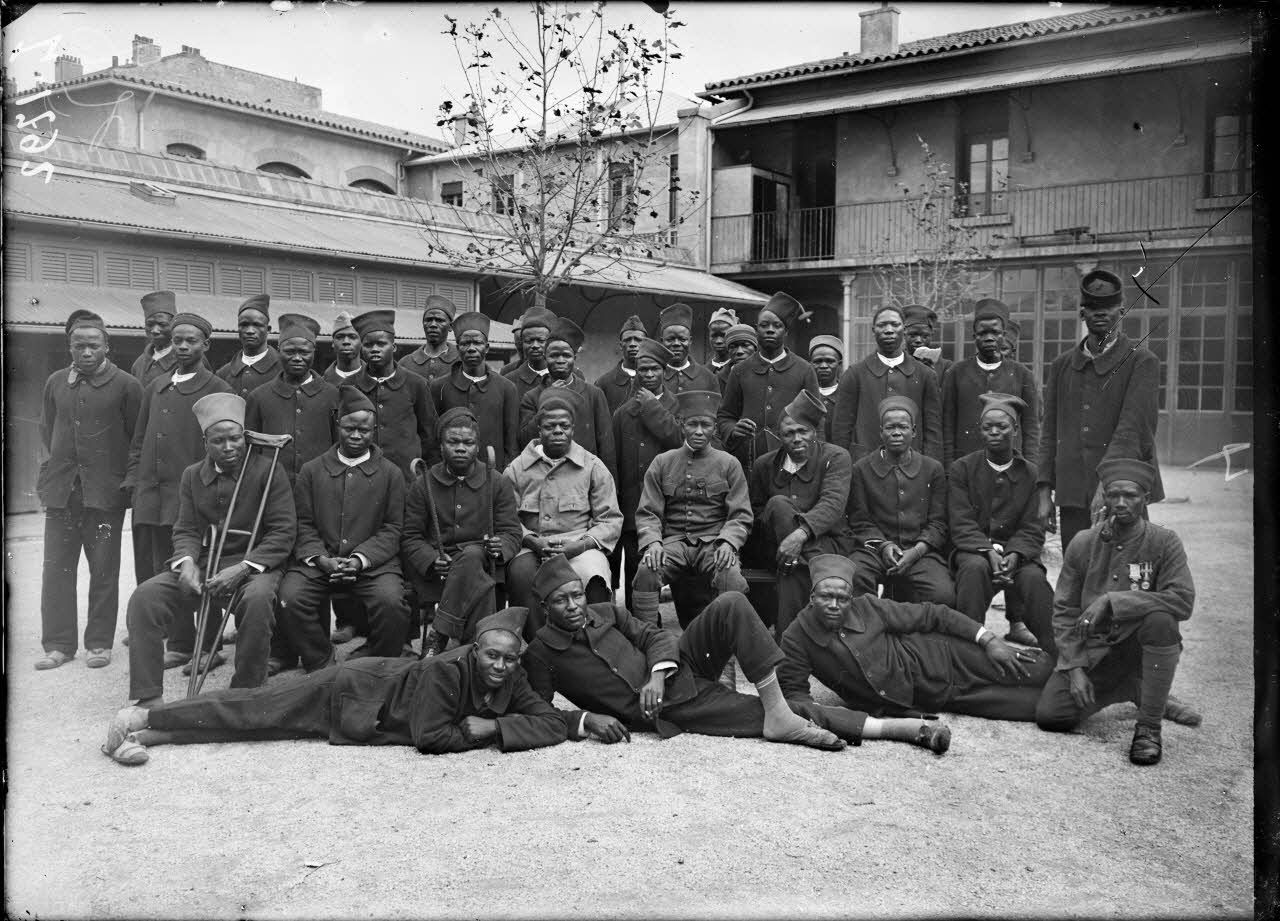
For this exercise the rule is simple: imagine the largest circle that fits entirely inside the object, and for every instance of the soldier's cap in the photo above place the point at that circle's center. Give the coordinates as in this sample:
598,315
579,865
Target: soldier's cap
1101,288
806,409
633,324
193,319
259,302
1012,406
724,315
565,330
84,319
439,303
508,619
895,308
696,403
297,326
353,400
158,302
1127,468
655,350
473,321
675,315
213,408
558,398
989,308
375,321
552,574
741,332
831,342
919,315
460,416
831,566
897,401
342,321
787,309
538,316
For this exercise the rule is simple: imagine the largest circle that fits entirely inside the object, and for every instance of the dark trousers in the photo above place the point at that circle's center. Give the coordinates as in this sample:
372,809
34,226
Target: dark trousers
67,531
730,627
291,709
928,580
628,550
1030,595
1071,521
161,600
974,685
152,548
690,571
303,601
1117,678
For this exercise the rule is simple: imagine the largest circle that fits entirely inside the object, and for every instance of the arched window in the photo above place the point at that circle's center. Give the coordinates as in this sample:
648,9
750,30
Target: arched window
283,169
190,151
372,185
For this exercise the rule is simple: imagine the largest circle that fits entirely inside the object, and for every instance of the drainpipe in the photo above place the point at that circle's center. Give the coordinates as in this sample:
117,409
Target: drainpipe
711,143
141,110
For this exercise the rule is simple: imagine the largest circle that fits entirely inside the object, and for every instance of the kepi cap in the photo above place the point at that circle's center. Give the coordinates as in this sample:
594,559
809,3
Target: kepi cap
213,408
375,321
914,314
698,403
1101,288
84,319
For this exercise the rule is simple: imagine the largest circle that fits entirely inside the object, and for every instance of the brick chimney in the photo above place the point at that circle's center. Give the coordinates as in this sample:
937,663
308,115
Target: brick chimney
187,49
879,31
66,68
145,50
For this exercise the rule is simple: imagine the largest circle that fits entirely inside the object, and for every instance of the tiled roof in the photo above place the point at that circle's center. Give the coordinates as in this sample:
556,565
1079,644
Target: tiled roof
957,41
319,118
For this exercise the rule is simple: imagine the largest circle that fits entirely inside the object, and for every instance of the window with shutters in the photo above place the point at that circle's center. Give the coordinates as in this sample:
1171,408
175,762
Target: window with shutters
69,266
458,294
290,284
414,294
17,262
451,193
378,292
195,277
339,289
124,271
241,280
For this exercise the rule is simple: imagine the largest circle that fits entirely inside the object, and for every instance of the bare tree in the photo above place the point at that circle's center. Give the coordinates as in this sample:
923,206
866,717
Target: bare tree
935,254
562,139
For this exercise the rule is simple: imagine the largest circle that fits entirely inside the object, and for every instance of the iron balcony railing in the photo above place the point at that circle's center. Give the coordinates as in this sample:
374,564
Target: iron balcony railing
872,231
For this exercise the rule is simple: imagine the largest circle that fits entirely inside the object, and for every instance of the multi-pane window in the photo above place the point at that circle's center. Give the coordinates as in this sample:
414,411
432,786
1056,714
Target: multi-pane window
986,174
190,151
1205,285
504,194
1061,333
1243,396
1230,154
241,280
621,189
451,193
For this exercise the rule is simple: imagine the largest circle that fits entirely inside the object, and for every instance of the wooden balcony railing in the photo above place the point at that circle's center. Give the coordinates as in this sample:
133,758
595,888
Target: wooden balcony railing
873,231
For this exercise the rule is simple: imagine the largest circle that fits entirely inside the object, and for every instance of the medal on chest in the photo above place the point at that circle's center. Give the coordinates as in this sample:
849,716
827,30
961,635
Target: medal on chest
1135,576
1146,572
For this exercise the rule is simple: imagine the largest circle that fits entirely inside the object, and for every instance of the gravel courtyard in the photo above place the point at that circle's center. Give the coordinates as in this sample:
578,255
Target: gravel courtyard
1011,822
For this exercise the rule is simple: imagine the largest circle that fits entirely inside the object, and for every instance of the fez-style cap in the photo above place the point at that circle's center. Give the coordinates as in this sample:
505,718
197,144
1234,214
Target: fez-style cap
259,302
1127,468
806,409
633,324
652,348
831,342
158,302
787,309
84,319
353,400
460,416
675,315
989,308
897,401
538,316
914,314
724,315
296,326
375,321
508,619
552,574
193,319
1010,405
1101,288
565,330
558,398
213,408
473,321
741,332
831,566
441,304
342,321
693,403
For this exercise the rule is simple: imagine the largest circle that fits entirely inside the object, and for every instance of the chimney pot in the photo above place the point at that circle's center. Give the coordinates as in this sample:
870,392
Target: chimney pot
145,50
66,67
879,31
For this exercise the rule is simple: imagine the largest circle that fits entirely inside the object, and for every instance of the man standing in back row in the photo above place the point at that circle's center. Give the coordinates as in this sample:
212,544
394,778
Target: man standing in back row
436,356
256,363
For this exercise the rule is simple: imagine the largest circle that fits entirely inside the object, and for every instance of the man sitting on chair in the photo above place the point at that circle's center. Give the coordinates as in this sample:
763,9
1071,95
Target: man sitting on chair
465,699
459,537
350,503
247,577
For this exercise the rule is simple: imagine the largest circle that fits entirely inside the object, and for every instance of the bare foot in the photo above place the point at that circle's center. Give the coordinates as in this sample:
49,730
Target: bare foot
796,730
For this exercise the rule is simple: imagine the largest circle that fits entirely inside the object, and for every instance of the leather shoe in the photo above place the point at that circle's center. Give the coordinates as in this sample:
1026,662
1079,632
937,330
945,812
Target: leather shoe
1146,747
98,658
174,659
218,659
343,635
935,737
52,660
1018,633
1180,713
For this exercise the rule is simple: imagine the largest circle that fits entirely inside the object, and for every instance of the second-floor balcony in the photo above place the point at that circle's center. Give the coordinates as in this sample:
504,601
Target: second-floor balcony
864,233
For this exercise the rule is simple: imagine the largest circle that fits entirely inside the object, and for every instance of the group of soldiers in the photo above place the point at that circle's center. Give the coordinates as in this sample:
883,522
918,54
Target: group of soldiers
498,514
